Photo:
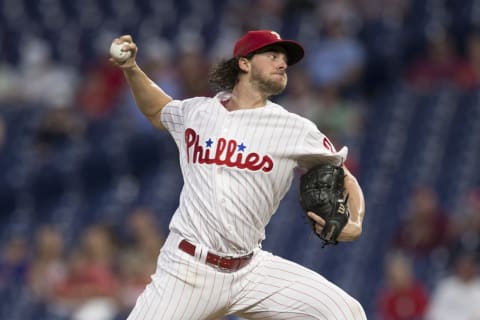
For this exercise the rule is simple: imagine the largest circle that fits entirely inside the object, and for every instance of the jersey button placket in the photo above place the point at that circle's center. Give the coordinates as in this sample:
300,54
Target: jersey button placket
221,169
220,176
225,128
222,204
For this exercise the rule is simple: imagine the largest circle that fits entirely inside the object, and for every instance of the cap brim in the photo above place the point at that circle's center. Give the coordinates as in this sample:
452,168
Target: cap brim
293,49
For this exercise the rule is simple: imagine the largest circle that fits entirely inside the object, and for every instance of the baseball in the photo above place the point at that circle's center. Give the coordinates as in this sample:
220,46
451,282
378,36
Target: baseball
117,53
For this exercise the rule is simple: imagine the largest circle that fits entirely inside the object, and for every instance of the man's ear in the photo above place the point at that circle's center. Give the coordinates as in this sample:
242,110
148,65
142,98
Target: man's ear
244,64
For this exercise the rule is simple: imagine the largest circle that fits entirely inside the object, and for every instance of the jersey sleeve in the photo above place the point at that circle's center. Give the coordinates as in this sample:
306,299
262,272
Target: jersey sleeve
316,148
172,117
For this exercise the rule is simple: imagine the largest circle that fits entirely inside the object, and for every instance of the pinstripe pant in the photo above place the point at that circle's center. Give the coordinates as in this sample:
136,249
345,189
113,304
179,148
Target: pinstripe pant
270,287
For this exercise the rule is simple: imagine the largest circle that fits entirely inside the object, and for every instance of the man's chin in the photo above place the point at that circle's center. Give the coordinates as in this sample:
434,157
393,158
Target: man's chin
278,92
278,88
272,88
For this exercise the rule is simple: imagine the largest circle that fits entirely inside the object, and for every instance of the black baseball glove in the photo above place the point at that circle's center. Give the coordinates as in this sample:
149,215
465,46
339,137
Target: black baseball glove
322,191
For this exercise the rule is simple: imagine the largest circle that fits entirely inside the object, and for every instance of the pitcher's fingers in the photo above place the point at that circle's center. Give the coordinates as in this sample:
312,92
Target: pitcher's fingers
115,62
316,218
130,47
125,38
318,228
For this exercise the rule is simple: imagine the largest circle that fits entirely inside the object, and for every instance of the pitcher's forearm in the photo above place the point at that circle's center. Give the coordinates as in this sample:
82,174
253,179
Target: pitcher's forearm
149,97
356,200
356,206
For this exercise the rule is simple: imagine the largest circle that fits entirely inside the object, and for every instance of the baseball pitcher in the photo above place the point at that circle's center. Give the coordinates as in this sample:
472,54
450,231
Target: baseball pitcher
238,151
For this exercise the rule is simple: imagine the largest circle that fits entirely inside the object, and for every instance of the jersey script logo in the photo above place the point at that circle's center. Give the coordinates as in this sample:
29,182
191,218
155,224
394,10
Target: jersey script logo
226,152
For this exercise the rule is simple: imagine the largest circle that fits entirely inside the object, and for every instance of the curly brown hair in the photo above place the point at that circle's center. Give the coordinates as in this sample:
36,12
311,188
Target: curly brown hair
224,75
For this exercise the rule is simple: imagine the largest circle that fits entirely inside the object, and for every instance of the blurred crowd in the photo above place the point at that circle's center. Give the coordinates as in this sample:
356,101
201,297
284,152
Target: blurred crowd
355,50
432,269
100,277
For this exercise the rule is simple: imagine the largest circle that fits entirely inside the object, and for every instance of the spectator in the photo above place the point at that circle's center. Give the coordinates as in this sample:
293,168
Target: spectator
41,79
99,90
466,231
300,96
457,296
267,14
426,227
340,118
158,61
383,34
9,90
48,267
192,67
440,66
145,236
337,59
139,256
471,75
134,270
90,287
14,266
402,297
57,128
14,262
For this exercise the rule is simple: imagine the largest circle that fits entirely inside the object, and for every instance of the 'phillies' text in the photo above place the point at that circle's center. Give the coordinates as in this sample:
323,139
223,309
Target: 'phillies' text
225,154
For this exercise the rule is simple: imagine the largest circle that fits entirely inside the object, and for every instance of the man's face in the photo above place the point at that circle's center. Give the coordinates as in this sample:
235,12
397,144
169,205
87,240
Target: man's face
268,71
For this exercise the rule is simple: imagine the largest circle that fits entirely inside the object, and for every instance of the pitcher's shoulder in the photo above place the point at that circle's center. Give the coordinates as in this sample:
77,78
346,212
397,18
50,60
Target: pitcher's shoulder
292,116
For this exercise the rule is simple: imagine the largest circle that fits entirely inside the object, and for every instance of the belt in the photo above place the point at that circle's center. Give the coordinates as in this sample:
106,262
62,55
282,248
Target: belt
225,263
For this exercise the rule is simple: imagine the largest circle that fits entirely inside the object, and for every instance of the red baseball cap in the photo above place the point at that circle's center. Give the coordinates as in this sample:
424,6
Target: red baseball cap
258,39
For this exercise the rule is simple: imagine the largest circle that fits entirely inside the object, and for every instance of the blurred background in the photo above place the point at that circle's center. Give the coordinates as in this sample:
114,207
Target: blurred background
87,186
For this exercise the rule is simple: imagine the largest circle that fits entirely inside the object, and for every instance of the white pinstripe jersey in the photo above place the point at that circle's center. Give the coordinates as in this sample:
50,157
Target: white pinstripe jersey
237,166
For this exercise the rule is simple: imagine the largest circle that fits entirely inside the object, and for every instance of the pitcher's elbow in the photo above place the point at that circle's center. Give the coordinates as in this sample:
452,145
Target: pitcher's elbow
357,233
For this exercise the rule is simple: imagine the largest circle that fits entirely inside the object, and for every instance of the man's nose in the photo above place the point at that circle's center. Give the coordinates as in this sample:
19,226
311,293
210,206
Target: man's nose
282,65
